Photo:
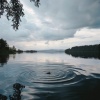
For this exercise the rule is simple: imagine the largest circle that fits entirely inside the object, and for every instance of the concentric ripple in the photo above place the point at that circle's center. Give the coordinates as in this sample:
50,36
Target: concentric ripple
52,75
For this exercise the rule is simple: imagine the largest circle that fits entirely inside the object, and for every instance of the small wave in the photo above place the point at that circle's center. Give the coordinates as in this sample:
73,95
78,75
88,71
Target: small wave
52,75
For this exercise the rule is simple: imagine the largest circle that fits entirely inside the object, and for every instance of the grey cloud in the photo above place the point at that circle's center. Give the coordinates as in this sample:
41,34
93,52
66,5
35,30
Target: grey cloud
51,34
60,35
67,17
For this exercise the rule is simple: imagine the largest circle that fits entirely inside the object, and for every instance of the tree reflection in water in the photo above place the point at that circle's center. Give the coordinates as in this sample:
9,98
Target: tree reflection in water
17,91
16,94
3,97
82,54
3,59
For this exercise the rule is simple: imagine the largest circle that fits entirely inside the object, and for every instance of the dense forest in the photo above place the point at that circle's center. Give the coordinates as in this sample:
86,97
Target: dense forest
86,51
5,49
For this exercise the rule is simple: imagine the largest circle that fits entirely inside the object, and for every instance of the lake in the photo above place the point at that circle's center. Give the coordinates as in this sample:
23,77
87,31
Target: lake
50,76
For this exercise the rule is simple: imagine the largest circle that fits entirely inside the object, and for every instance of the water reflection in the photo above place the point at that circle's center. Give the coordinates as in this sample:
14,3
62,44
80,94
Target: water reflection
17,87
17,91
3,97
85,90
51,77
3,59
85,54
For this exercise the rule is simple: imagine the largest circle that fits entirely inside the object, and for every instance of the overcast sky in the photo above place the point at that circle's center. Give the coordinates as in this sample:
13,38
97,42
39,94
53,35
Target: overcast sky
56,24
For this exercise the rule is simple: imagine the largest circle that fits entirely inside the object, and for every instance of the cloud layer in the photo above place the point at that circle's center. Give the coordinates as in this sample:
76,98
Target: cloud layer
54,21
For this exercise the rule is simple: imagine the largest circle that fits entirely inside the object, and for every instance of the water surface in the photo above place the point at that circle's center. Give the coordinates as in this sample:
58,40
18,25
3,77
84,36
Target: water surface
48,76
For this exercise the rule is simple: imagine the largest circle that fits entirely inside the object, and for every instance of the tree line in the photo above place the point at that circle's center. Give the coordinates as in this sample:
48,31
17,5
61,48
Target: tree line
87,51
86,48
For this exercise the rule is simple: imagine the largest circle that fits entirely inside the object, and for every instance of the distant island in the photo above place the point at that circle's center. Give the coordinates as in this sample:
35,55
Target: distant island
86,51
6,49
30,51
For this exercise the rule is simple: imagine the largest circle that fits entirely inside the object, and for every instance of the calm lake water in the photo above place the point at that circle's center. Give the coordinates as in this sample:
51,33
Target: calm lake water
51,76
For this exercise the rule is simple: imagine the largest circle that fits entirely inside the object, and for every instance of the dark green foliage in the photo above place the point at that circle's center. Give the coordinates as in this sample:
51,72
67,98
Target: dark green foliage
86,51
5,49
14,10
86,48
3,44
